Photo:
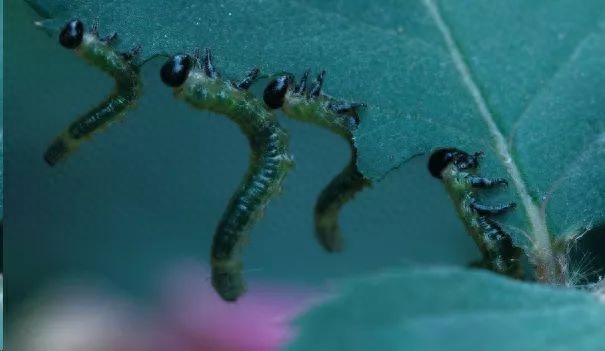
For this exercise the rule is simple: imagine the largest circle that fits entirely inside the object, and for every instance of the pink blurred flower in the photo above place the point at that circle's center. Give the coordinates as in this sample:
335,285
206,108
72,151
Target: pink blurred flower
191,317
259,321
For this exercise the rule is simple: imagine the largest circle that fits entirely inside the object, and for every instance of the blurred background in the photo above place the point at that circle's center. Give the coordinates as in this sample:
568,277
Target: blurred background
137,201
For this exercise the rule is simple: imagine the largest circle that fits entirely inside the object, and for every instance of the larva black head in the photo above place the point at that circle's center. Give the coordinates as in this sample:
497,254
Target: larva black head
276,90
71,35
441,158
175,71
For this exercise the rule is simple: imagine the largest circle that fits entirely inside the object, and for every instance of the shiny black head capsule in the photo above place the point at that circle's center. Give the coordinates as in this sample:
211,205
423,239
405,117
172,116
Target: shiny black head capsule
276,91
175,71
71,35
441,158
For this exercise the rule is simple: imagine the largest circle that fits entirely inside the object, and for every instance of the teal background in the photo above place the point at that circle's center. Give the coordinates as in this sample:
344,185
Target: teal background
150,191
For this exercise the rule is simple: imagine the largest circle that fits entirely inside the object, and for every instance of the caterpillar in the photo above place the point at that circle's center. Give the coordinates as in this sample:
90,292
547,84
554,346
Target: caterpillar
309,104
456,169
197,83
98,52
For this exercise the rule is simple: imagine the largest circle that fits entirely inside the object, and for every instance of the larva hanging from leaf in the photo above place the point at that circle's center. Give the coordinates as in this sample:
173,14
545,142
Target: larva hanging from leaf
456,169
98,52
310,105
200,86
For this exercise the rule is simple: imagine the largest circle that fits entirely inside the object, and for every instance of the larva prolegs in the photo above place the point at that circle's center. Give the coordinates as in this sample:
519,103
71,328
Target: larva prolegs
119,66
202,87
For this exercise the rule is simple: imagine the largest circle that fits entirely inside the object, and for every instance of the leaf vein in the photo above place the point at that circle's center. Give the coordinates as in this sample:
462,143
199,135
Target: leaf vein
550,80
542,240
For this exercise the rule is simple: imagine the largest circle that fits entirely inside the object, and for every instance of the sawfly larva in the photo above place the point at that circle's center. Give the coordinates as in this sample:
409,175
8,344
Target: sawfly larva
98,52
309,104
456,169
196,82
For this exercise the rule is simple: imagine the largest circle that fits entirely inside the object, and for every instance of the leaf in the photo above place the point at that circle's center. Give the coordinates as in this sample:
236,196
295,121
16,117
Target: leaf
437,309
520,80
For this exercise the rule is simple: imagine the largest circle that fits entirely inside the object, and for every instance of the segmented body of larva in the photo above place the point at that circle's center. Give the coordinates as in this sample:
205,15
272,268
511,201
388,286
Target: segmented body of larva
456,169
98,52
308,104
197,83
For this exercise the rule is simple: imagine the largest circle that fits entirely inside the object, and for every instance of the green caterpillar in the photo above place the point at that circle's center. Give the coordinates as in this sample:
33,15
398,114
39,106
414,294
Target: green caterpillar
456,169
200,86
310,105
97,51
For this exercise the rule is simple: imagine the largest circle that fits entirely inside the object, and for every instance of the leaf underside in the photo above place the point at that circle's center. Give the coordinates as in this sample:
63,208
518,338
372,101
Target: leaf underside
437,309
536,67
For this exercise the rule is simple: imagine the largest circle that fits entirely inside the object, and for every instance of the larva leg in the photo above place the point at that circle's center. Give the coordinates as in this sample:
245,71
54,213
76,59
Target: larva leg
466,161
483,209
209,69
108,39
130,55
327,209
316,87
482,182
301,87
94,27
250,78
343,107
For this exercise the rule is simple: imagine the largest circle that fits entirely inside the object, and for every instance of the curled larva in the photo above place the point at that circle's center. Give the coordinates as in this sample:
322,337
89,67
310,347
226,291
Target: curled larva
198,84
456,169
309,104
98,52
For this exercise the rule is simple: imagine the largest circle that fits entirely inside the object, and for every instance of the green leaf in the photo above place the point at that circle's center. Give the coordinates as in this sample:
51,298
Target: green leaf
439,309
520,80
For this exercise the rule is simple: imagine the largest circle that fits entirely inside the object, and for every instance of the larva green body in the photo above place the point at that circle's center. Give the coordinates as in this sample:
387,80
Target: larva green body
99,53
338,192
310,105
348,182
456,170
317,111
269,164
